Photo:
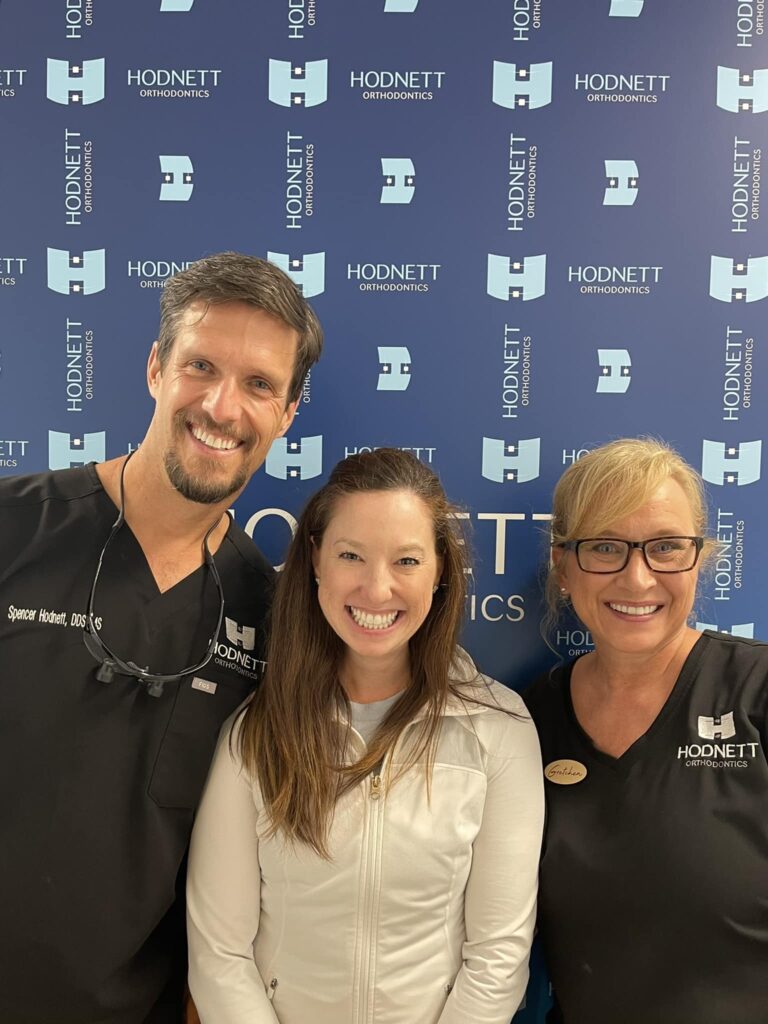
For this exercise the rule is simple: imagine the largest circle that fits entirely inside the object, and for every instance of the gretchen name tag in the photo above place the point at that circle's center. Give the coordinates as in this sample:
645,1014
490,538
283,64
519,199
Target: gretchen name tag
565,772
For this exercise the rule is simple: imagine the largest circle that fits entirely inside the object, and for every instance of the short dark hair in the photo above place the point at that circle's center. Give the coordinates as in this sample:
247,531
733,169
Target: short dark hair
236,277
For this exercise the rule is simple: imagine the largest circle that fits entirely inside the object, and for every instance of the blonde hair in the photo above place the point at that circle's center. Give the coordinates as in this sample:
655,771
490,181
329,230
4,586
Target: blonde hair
612,482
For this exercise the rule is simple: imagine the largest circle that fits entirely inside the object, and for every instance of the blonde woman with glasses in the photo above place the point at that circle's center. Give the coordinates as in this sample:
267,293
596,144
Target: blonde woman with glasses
654,877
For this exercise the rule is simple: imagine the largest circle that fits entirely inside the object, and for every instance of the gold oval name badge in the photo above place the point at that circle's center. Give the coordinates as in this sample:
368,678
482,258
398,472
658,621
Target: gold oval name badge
565,772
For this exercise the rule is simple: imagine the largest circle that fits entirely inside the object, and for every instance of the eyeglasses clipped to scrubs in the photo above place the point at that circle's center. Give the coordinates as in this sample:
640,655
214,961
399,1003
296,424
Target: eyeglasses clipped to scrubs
111,664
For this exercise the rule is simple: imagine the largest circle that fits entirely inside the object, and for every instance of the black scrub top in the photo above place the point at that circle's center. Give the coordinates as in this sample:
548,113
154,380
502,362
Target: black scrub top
99,781
653,897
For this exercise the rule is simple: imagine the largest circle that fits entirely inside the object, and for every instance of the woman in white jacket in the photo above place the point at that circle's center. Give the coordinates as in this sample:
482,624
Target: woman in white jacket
366,850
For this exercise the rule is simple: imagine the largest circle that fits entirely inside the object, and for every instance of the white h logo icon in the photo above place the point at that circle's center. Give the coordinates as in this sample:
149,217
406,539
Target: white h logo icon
241,636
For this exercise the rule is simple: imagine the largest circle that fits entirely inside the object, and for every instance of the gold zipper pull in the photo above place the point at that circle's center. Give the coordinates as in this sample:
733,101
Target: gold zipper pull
375,787
271,990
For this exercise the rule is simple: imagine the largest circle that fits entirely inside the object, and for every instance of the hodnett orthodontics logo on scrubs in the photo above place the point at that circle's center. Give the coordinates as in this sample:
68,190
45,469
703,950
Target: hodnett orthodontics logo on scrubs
235,650
717,753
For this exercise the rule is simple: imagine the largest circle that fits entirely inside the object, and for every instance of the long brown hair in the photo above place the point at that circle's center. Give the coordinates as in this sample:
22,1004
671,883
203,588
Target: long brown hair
291,741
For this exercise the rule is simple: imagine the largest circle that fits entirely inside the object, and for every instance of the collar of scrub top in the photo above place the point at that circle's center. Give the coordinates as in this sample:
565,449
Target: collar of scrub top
110,664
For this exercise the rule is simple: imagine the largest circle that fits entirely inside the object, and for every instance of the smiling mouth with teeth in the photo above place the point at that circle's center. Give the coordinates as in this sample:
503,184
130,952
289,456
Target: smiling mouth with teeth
382,620
627,609
225,444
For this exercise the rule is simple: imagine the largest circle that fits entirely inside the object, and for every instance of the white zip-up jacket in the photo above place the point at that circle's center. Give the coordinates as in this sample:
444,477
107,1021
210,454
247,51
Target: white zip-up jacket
424,913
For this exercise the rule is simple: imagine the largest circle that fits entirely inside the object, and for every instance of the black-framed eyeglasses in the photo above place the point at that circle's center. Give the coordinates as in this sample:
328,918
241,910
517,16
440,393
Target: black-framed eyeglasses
111,664
611,554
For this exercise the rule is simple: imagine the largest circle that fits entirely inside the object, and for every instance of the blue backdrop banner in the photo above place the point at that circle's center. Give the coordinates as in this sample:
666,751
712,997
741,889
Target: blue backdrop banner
528,227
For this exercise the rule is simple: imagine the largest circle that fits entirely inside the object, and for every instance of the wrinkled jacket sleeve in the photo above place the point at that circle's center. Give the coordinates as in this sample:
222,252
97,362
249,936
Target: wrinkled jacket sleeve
223,899
500,897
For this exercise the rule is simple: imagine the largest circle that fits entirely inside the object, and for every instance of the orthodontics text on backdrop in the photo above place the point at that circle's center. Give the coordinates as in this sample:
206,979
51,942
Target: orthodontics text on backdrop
528,227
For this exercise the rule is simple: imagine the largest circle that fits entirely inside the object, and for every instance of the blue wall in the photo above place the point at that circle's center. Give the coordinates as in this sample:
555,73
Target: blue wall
528,227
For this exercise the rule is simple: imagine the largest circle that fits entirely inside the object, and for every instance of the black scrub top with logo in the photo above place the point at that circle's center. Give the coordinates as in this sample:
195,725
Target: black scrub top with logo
99,781
653,900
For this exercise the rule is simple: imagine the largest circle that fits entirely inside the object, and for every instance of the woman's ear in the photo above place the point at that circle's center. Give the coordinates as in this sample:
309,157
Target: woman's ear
560,564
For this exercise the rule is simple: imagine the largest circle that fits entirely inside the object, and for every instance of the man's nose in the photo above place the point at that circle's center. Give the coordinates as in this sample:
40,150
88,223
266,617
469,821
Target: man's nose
222,400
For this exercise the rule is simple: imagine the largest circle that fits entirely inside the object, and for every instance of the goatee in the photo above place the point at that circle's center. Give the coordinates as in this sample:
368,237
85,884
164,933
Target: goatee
204,492
198,488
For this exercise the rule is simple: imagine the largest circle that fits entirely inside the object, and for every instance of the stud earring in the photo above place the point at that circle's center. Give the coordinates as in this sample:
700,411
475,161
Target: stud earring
434,589
317,580
564,591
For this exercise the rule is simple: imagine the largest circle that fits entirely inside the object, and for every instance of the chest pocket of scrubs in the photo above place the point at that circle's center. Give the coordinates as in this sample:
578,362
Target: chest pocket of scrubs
187,747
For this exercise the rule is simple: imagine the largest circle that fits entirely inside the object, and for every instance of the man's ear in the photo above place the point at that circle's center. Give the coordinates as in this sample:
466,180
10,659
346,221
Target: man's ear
288,415
154,370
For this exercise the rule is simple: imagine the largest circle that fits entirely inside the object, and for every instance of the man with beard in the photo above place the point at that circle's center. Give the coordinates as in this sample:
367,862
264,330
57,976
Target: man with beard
106,731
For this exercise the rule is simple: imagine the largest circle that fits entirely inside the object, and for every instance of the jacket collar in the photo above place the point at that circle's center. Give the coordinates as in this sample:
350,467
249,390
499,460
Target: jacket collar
473,685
